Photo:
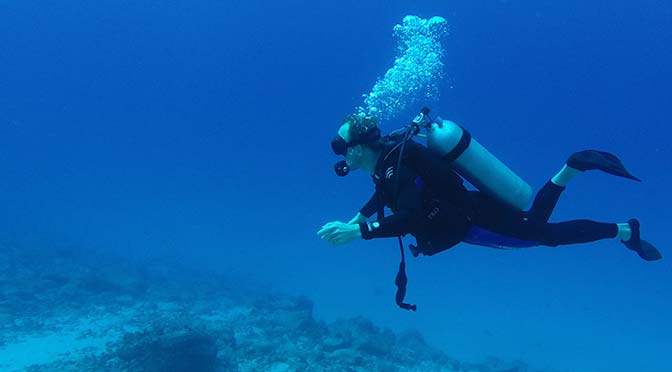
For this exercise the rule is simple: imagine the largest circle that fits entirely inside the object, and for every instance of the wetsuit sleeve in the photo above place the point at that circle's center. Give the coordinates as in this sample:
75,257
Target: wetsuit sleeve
406,214
371,207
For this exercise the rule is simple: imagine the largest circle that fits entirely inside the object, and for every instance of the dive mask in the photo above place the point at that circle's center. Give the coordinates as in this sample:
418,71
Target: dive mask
339,146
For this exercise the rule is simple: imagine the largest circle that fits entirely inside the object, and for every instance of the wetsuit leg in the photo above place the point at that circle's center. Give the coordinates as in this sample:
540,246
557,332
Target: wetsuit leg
563,233
544,202
492,216
537,228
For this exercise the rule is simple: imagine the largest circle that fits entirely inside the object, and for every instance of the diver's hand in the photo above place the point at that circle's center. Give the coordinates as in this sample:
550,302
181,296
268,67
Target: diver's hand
339,233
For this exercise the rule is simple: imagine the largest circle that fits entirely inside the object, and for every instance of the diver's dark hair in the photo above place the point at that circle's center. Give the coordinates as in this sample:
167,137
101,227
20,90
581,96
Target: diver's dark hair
360,126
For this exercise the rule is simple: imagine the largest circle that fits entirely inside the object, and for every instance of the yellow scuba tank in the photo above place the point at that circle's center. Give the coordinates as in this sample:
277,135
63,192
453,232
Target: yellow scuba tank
477,165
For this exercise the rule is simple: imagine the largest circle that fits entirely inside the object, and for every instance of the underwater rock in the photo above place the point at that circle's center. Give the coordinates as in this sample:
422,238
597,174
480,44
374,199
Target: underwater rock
279,317
176,348
361,334
331,343
347,356
415,347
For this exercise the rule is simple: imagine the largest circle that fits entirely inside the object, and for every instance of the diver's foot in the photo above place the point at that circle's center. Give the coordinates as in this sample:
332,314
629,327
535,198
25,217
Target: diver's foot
604,161
643,248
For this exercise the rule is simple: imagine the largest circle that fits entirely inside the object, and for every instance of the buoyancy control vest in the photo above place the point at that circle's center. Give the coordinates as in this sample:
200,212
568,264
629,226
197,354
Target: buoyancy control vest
472,161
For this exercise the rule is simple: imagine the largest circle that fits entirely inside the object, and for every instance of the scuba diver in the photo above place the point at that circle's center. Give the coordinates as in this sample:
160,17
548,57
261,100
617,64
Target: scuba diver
423,186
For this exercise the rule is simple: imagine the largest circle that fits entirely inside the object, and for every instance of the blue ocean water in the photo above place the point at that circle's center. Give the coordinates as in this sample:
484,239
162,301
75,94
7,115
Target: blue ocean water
199,130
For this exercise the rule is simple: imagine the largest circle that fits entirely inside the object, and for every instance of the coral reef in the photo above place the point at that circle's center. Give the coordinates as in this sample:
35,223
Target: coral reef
104,313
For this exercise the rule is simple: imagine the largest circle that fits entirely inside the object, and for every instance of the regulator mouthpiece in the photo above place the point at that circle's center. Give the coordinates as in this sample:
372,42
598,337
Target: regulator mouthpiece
341,168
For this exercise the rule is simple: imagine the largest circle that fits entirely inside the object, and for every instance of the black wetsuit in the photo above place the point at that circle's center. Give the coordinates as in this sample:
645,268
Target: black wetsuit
434,206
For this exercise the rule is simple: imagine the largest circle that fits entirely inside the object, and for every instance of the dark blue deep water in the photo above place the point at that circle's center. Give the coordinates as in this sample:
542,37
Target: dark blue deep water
199,131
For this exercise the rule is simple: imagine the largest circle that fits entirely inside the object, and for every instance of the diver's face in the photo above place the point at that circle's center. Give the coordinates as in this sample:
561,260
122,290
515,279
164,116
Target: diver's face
354,157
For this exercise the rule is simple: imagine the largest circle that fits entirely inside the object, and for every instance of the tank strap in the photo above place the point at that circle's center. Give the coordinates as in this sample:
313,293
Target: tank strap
461,146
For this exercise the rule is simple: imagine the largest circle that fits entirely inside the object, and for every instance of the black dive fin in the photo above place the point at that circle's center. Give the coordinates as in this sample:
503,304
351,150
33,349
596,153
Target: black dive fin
644,249
648,252
601,160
